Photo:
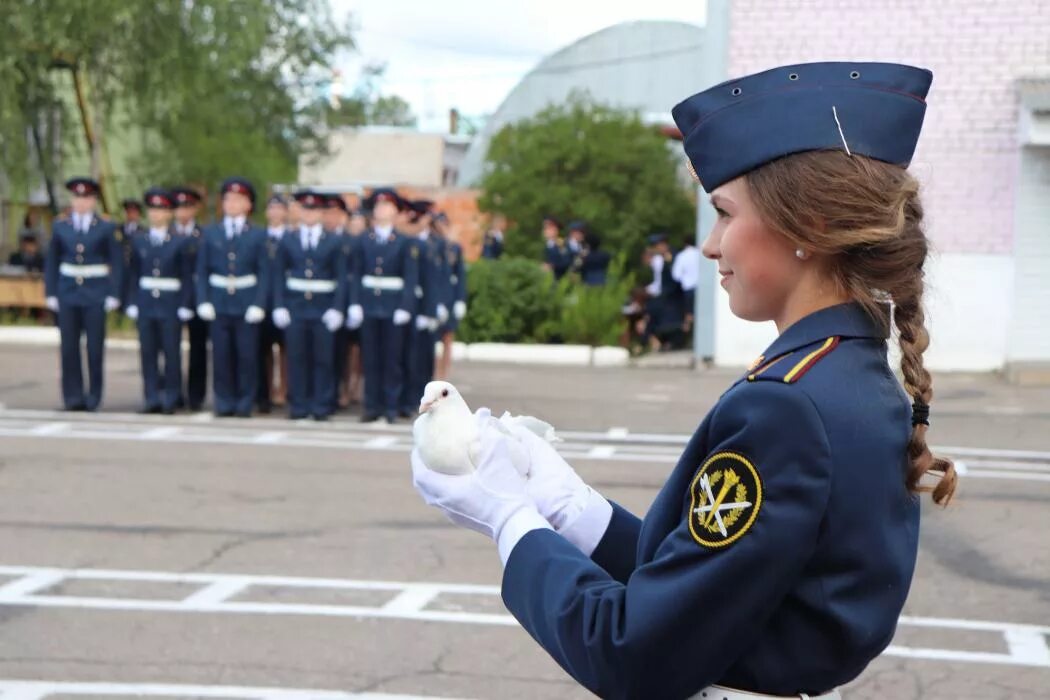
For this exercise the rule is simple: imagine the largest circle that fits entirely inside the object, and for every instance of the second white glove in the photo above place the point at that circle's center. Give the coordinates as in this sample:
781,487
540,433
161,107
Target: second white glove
184,314
281,318
442,314
401,317
332,320
111,304
423,323
355,316
206,311
132,312
254,315
52,303
459,310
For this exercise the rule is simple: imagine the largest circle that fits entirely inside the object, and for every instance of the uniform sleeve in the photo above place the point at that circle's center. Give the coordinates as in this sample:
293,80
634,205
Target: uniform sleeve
263,266
186,272
617,551
684,617
54,252
116,261
202,269
410,275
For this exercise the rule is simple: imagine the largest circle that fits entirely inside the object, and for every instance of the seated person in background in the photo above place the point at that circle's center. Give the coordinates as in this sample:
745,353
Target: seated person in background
28,254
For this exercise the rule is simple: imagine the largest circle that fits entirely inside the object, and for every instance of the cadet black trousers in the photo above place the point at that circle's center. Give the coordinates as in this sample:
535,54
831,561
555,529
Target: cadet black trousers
382,357
159,336
235,356
197,372
74,321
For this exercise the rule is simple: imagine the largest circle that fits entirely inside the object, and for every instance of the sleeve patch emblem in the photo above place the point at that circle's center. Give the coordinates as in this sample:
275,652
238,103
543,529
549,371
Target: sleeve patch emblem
725,497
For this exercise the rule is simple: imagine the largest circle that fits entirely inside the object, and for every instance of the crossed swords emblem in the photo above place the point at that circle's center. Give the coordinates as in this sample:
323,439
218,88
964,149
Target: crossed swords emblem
715,506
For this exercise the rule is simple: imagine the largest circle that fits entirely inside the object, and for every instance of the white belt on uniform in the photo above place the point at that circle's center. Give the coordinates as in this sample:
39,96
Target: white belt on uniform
395,284
297,284
717,692
233,281
71,270
164,284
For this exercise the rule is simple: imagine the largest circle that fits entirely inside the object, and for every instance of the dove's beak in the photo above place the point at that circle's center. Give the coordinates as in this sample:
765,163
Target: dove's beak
424,406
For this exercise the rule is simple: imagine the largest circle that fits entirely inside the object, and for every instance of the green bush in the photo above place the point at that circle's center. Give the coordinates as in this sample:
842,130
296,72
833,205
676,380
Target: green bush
511,300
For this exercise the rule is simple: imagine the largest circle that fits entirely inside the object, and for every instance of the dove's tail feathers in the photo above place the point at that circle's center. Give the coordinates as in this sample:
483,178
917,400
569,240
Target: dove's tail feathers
539,427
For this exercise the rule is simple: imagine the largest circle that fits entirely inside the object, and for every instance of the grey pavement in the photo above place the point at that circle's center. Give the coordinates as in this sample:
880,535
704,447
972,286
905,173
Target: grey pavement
329,514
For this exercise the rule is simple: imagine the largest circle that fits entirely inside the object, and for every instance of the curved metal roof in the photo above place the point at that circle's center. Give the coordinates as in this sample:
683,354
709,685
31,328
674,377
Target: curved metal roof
648,65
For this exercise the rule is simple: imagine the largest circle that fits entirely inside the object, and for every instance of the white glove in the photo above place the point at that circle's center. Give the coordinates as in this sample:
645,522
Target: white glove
281,318
111,304
52,303
206,311
574,509
483,500
184,314
132,312
332,320
401,317
434,324
442,314
459,310
423,323
355,316
254,315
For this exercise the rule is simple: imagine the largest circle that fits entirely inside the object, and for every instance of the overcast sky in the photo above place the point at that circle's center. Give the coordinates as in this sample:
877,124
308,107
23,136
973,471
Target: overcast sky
469,54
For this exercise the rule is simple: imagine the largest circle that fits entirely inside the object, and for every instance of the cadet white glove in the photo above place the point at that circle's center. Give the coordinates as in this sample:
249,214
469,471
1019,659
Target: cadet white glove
401,317
206,311
254,315
332,320
442,313
132,312
575,510
184,314
459,309
485,499
355,316
434,324
281,318
423,323
52,303
111,304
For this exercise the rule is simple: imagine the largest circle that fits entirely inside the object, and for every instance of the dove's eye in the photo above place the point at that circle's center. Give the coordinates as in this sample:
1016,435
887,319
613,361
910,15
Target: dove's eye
444,392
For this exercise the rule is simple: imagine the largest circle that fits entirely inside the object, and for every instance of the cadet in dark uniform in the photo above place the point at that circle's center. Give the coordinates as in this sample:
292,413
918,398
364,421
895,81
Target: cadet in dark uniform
419,349
385,274
309,296
160,297
233,275
556,255
270,336
131,227
352,377
83,280
187,202
452,294
667,301
492,244
777,558
594,261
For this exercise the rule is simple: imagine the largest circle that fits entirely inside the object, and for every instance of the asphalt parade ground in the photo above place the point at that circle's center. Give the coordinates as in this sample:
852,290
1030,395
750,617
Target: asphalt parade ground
194,557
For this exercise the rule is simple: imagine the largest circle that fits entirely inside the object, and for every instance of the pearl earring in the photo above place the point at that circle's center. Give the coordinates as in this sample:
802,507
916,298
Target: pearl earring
800,254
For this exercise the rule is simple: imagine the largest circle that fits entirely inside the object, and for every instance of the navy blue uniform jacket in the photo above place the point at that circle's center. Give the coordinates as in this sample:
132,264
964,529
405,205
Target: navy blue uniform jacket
777,556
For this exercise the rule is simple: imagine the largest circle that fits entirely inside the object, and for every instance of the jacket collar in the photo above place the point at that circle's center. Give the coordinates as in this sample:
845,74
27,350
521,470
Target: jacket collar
848,320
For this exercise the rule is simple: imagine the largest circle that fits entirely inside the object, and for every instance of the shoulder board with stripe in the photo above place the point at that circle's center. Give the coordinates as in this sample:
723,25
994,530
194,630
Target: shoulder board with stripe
790,367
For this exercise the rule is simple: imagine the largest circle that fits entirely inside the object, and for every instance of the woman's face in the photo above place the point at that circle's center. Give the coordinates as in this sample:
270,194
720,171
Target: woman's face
759,267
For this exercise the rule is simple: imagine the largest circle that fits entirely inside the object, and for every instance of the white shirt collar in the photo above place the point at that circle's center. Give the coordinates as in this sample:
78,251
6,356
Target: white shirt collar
383,232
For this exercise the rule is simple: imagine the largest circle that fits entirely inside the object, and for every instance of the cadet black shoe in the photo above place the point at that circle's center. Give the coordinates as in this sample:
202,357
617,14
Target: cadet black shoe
369,418
149,410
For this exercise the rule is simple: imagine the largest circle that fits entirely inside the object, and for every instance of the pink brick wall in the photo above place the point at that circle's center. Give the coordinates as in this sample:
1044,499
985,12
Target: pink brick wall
968,157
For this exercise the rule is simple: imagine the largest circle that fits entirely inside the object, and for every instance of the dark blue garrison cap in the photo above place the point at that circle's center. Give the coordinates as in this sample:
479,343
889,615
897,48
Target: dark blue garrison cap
869,109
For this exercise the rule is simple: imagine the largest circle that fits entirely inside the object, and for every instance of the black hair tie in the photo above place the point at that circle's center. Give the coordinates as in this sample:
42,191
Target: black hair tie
920,413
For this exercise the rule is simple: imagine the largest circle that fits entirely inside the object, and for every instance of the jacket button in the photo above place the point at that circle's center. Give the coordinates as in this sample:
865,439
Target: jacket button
156,293
231,291
232,267
308,296
309,273
232,256
309,262
156,272
379,261
379,270
80,247
80,280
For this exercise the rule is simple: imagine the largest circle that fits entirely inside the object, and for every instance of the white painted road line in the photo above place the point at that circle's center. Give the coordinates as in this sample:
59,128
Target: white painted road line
601,452
40,690
161,433
50,429
380,443
1023,644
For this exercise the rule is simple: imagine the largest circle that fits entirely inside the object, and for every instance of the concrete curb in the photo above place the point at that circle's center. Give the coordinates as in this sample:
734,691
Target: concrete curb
504,353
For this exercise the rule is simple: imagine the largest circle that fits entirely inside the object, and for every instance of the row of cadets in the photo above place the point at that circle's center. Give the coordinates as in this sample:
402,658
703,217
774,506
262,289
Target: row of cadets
271,337
187,203
82,282
453,294
418,354
159,300
386,273
232,283
310,292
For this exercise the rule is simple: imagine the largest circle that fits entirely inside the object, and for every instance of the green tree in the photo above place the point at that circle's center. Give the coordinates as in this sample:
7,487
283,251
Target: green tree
366,105
583,160
206,88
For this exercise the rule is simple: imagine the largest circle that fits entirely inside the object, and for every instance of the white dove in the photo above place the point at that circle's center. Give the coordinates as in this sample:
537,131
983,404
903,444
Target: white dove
448,435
